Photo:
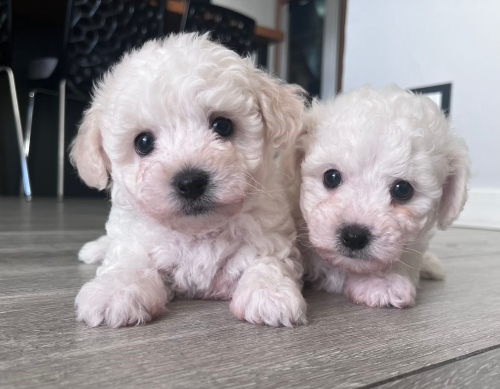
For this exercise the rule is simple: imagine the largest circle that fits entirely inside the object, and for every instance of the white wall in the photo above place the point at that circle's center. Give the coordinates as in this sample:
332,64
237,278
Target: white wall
417,43
427,42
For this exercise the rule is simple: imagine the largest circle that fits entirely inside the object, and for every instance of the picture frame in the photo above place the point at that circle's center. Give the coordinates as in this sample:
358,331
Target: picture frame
440,94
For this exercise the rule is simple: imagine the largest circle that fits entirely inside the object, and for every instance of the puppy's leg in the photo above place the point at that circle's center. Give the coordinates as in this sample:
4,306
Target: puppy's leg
123,293
269,292
395,287
94,251
432,268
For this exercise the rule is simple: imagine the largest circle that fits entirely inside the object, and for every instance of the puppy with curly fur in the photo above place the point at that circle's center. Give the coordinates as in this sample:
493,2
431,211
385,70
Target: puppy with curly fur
188,132
379,169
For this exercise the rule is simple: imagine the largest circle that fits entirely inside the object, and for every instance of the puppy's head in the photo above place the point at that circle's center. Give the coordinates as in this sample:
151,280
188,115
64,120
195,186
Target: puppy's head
380,168
185,127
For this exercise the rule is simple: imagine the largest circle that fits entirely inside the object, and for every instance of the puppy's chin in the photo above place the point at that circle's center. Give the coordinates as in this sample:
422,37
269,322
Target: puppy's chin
200,220
351,263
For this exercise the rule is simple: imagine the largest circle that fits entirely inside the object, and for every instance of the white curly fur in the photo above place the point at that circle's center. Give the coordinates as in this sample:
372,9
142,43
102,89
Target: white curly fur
375,138
243,248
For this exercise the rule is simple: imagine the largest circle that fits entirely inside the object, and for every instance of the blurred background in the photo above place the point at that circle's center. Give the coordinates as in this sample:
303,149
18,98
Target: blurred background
54,49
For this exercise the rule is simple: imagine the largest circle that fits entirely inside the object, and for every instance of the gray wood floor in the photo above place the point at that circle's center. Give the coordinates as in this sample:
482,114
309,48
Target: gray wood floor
450,339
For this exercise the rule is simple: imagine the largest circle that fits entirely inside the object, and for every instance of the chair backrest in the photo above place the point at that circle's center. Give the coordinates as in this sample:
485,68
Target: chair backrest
99,32
230,28
5,32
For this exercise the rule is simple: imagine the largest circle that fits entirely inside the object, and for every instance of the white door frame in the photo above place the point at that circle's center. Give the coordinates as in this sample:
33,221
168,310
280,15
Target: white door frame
331,46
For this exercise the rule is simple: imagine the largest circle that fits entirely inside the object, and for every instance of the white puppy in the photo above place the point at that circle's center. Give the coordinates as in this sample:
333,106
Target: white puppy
187,130
379,169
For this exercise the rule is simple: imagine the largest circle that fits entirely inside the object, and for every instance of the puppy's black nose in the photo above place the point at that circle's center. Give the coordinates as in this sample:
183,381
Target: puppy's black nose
191,184
354,236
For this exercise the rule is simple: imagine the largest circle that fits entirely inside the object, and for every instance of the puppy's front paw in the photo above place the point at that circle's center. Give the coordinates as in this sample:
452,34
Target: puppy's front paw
94,251
116,300
388,290
273,307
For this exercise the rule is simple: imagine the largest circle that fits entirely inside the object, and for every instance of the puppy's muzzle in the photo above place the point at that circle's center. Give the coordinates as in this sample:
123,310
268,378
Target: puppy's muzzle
191,184
354,237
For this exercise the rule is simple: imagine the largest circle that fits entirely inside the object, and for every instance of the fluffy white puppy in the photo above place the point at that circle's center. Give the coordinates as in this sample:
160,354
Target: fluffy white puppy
379,168
187,130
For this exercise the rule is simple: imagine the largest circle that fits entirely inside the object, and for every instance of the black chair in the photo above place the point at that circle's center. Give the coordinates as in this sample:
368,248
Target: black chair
230,28
97,33
5,66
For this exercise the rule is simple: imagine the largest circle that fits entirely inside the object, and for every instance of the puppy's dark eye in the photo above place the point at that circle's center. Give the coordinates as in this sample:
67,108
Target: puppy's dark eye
144,143
332,179
223,127
402,191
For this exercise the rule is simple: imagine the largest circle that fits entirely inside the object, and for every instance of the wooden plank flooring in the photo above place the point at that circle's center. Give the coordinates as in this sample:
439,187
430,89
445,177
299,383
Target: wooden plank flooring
448,340
479,371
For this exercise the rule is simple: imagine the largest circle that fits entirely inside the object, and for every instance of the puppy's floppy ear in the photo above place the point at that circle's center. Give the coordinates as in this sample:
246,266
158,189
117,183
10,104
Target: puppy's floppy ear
87,153
309,122
281,107
291,159
455,188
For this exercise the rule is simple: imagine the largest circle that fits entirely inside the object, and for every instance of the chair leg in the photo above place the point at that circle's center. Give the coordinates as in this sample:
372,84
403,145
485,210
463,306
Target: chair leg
29,117
60,154
29,123
19,132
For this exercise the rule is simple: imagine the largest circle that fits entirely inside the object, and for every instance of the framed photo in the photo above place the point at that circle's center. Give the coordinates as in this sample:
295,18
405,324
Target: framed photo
440,94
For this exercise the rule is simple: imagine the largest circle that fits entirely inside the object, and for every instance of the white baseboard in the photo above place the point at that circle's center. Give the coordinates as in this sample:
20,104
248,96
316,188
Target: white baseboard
482,210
